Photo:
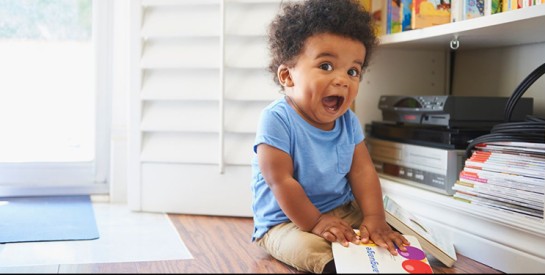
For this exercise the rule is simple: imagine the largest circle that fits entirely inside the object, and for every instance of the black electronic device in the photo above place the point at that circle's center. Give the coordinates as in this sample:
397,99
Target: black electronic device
433,136
451,111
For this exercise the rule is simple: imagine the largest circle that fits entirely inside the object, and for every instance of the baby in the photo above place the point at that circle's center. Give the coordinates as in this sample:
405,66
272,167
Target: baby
313,179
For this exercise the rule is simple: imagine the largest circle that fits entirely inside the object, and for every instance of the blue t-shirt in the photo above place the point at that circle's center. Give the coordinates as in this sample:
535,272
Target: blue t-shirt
321,161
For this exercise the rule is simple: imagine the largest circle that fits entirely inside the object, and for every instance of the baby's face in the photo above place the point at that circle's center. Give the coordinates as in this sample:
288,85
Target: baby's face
326,78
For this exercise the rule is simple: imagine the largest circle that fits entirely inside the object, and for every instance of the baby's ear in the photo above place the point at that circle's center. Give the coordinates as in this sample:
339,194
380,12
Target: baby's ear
284,76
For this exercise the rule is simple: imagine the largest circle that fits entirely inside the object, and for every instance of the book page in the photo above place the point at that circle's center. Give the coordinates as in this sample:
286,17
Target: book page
370,258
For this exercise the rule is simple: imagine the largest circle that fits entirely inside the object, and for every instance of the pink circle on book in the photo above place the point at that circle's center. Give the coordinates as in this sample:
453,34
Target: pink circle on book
412,252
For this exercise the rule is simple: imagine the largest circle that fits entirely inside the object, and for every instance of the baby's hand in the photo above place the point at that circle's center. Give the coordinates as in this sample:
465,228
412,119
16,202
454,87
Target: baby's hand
383,235
335,229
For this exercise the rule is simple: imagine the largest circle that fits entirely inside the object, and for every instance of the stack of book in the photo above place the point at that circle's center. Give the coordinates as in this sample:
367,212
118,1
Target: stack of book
506,176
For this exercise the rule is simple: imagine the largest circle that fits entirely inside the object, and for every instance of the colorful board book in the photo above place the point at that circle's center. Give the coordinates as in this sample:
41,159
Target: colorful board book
371,258
393,19
473,9
406,14
429,13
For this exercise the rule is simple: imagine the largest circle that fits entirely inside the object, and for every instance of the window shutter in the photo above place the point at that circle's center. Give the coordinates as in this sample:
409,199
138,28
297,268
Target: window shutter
199,83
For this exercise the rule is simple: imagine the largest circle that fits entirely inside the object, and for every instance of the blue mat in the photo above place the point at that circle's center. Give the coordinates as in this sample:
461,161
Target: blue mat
51,218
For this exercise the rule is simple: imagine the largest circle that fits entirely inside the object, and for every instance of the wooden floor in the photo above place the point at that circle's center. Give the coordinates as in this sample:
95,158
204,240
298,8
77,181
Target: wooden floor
223,245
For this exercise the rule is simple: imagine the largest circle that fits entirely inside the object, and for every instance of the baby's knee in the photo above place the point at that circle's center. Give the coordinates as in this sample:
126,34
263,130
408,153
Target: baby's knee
310,254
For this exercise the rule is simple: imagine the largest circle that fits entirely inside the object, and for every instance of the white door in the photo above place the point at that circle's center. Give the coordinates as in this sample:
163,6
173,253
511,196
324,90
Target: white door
54,109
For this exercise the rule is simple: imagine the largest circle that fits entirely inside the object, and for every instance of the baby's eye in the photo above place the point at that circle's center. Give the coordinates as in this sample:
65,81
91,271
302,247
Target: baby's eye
353,72
326,67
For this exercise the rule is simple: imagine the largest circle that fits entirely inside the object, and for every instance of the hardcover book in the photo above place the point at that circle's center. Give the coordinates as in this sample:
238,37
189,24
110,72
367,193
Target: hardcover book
370,258
473,9
438,245
393,19
406,14
456,10
429,13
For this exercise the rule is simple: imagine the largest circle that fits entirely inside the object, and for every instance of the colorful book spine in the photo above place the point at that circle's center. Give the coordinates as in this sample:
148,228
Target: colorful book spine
456,10
406,14
473,9
393,22
496,6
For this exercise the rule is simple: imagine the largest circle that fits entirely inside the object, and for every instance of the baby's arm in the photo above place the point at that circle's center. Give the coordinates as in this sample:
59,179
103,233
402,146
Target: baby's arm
368,193
277,169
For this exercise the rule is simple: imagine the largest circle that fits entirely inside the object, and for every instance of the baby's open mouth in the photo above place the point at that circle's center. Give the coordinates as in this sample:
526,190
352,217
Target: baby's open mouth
333,102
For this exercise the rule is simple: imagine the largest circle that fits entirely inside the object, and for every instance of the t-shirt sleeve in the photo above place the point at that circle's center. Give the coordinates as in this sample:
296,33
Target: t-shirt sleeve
273,129
356,128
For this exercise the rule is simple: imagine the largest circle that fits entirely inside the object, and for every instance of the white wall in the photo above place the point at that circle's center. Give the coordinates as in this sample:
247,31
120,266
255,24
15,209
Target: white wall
498,72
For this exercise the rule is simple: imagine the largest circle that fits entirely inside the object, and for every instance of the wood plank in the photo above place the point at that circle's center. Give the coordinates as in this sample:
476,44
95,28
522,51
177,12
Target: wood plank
221,244
228,248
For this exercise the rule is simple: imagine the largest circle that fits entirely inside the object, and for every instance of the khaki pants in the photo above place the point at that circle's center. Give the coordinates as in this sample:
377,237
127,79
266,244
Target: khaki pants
304,250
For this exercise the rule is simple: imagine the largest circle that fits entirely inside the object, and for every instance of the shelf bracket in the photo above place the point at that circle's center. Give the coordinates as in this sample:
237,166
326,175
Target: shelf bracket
454,43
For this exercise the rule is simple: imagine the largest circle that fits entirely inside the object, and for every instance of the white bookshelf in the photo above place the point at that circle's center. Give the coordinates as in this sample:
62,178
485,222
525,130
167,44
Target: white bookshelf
522,26
495,54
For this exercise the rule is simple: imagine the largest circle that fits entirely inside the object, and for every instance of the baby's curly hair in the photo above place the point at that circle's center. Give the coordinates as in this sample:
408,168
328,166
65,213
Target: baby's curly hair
289,30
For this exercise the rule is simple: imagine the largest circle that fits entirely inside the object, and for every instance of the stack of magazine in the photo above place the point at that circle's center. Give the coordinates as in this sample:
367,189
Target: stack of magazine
506,176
